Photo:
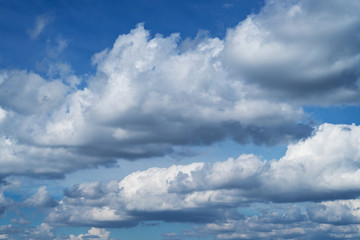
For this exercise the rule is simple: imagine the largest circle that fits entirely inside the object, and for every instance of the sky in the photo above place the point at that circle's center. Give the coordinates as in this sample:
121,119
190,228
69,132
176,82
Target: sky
179,120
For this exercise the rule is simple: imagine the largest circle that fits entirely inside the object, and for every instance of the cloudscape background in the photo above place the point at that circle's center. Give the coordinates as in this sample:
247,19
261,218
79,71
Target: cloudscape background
177,120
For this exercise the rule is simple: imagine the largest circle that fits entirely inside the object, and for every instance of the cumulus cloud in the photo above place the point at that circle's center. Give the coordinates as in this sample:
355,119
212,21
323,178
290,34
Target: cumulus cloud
39,161
42,231
93,234
340,212
303,50
151,94
322,167
146,97
274,224
45,231
28,93
41,198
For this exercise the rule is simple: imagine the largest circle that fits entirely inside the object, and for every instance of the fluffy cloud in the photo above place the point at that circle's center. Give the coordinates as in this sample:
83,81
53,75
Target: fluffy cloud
151,93
306,51
322,167
43,231
23,159
340,212
28,93
93,234
286,222
41,198
327,164
146,97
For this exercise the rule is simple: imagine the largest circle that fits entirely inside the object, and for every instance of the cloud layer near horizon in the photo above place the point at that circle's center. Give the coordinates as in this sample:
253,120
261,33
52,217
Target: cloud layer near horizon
320,168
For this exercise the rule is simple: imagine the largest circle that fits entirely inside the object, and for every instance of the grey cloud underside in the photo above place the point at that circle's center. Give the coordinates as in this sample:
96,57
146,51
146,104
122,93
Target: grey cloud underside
306,51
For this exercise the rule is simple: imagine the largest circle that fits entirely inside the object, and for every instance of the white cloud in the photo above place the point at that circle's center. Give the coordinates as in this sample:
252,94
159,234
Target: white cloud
186,98
280,222
149,94
42,231
322,167
301,50
328,162
41,198
146,97
340,212
3,114
93,234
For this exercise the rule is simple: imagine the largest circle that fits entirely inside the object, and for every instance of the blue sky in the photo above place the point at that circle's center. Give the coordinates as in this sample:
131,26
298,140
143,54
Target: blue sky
178,120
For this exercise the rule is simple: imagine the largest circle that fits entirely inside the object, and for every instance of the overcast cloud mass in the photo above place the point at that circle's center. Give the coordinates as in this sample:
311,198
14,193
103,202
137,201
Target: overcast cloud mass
159,97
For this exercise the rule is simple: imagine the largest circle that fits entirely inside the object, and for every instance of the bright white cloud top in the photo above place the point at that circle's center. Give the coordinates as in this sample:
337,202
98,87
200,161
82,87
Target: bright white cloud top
150,95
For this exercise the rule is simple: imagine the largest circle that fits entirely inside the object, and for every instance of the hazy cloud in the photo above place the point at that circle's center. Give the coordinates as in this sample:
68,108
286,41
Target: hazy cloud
40,23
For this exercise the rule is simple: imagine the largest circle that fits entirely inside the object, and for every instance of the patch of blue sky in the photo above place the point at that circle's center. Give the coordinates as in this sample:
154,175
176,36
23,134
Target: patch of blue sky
92,31
156,231
345,114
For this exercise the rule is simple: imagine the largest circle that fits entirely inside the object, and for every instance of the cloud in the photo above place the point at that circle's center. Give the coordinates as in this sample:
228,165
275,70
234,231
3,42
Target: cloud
6,202
54,50
39,161
45,231
306,51
40,23
323,167
41,198
150,94
3,114
93,234
146,97
340,212
266,226
28,93
42,231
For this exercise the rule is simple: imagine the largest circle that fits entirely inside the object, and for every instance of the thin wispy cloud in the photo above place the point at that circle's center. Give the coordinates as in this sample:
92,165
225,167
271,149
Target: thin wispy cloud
40,23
